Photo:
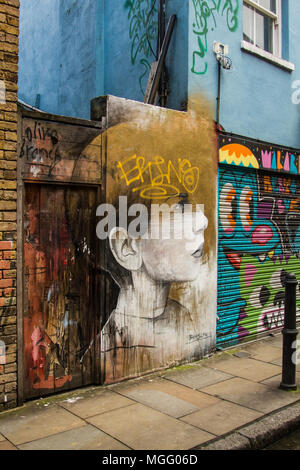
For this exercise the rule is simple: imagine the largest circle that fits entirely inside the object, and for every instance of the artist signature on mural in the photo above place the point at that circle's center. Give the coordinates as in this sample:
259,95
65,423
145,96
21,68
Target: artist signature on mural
155,179
198,337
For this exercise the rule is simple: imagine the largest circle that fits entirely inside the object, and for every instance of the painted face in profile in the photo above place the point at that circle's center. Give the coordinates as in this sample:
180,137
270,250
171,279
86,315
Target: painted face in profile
172,251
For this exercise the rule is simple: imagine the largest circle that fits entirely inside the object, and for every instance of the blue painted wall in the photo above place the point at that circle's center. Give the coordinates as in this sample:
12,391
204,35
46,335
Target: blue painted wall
130,49
256,96
39,52
58,41
77,84
74,50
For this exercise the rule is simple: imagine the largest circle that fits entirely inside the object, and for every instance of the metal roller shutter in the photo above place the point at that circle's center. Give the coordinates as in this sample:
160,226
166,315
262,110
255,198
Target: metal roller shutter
259,242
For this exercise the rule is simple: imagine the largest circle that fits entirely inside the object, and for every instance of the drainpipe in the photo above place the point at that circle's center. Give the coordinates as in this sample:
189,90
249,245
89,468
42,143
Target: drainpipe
160,39
219,94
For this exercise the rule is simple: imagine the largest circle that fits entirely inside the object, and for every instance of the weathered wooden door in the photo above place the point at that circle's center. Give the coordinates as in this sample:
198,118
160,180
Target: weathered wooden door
60,172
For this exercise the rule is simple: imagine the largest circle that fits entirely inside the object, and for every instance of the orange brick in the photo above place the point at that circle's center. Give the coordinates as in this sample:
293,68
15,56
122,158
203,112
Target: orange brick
9,292
6,283
6,245
9,274
9,254
4,264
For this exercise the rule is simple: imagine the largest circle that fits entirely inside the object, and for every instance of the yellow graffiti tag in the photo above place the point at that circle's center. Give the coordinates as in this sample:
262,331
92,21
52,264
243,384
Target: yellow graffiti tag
153,179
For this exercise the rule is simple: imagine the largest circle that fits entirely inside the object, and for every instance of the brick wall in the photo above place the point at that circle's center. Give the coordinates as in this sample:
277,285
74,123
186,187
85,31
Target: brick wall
9,30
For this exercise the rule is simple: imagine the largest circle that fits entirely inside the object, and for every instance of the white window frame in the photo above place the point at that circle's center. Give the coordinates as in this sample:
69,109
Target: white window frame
276,17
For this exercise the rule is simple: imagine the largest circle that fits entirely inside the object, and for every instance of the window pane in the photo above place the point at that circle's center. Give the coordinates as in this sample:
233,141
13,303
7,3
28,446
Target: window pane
268,4
248,22
264,32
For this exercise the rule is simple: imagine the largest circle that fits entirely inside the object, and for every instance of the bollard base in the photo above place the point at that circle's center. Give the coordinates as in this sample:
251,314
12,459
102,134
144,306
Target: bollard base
284,386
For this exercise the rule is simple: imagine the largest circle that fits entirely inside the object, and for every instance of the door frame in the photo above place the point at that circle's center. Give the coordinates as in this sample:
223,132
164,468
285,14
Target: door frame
23,112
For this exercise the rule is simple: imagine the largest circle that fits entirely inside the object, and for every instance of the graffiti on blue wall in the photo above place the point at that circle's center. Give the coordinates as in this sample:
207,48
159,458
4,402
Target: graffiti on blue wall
259,241
206,16
142,15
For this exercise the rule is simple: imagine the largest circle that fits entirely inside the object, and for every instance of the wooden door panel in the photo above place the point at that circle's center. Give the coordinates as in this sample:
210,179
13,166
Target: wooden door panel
60,307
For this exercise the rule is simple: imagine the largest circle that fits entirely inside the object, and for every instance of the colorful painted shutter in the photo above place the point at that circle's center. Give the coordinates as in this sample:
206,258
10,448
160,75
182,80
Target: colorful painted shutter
259,242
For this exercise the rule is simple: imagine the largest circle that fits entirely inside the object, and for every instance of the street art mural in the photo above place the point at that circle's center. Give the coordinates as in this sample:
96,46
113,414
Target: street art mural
163,307
105,308
259,236
206,15
142,16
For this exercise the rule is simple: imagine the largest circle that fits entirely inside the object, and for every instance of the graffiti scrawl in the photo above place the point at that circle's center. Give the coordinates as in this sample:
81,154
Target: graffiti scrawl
206,15
142,15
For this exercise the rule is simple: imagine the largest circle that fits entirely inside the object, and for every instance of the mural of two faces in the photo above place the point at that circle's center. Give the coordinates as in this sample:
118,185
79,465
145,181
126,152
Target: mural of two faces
259,236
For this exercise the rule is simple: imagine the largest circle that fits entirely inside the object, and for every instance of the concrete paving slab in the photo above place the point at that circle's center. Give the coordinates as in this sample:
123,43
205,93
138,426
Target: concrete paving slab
275,341
197,378
85,438
163,402
221,418
252,395
95,403
250,369
34,423
143,428
273,382
276,380
263,351
278,362
194,397
6,445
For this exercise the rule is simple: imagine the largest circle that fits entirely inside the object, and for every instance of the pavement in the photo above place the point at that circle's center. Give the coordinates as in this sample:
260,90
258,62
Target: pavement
230,401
